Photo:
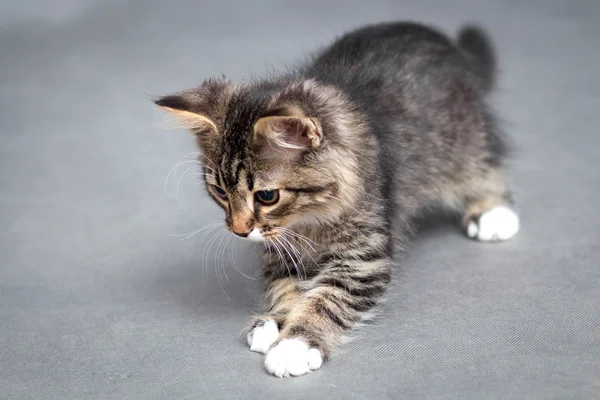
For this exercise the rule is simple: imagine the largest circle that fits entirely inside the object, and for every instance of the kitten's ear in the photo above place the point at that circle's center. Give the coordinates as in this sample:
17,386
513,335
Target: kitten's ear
202,110
278,134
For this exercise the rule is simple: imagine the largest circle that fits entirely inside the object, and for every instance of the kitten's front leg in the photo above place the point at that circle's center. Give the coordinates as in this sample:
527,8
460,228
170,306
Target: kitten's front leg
282,291
281,294
330,306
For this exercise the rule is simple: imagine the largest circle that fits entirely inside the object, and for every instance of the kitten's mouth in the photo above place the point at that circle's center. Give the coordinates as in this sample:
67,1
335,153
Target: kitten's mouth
265,234
256,236
260,234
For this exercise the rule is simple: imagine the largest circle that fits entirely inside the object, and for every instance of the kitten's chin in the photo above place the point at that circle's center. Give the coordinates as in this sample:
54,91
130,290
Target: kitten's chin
255,236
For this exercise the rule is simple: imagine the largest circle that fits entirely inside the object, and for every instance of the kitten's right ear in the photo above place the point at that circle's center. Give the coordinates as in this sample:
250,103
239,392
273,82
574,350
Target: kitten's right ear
286,137
201,110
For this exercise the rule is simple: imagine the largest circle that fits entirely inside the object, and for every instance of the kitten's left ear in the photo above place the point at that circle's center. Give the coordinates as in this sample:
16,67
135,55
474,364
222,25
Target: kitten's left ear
293,134
202,110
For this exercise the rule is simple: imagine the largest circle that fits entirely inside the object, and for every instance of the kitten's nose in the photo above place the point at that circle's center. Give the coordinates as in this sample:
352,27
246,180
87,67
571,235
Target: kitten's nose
241,224
241,234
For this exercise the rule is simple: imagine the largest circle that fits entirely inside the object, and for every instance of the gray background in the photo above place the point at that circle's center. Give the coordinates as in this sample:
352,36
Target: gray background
100,299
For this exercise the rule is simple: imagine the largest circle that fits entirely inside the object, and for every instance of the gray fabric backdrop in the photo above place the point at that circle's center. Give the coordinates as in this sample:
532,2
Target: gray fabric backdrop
100,299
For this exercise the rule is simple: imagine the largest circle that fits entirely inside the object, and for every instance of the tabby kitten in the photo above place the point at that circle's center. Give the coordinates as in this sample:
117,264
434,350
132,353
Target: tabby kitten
319,164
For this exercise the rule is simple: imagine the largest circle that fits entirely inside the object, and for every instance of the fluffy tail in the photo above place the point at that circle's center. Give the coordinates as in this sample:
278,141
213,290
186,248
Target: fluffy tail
478,47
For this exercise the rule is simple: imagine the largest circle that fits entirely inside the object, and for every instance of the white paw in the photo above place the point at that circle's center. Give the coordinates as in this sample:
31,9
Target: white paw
499,223
292,357
262,337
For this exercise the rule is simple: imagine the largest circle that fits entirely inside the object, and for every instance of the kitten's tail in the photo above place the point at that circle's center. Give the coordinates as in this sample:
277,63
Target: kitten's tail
475,42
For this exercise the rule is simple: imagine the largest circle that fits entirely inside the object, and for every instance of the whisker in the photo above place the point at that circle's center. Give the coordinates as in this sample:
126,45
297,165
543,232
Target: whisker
204,235
209,244
281,257
219,280
301,237
290,255
204,262
173,170
205,165
208,159
190,234
179,182
196,175
288,245
307,253
236,263
225,241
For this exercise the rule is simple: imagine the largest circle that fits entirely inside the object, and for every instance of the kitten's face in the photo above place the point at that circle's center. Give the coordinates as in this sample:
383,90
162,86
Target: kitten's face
263,200
266,162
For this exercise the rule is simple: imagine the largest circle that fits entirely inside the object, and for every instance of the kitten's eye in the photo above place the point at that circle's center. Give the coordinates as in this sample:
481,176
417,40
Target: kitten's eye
267,197
220,192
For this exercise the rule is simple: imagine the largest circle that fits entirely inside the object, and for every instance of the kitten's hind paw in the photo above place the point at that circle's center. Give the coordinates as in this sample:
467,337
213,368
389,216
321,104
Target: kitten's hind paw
262,336
497,224
292,357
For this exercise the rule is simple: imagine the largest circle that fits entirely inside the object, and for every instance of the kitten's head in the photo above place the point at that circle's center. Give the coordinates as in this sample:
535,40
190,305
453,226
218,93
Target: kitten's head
274,154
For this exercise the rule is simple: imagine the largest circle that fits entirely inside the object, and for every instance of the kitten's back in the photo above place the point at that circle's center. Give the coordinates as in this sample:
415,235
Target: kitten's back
365,61
423,95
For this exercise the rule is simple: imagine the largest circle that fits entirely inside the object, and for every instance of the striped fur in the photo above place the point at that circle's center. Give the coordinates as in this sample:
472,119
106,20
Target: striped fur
355,142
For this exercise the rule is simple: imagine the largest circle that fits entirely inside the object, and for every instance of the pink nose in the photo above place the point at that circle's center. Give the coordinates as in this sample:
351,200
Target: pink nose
240,227
241,234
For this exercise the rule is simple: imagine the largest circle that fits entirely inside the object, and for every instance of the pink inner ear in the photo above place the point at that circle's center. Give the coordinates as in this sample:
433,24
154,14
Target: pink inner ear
294,133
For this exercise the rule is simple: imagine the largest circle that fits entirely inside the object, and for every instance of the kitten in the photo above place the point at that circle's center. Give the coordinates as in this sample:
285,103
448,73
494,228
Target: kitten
321,163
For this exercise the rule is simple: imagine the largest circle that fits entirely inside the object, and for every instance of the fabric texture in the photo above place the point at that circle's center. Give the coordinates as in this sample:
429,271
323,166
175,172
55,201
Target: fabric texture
102,296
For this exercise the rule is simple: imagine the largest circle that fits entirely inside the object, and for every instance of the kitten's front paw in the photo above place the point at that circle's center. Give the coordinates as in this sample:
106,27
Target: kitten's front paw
292,357
498,223
263,336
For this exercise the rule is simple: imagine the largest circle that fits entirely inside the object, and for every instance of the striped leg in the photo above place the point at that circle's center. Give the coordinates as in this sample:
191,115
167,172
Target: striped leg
331,304
281,295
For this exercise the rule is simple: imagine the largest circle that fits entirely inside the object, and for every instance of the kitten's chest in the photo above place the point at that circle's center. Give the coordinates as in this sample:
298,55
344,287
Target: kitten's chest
310,246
